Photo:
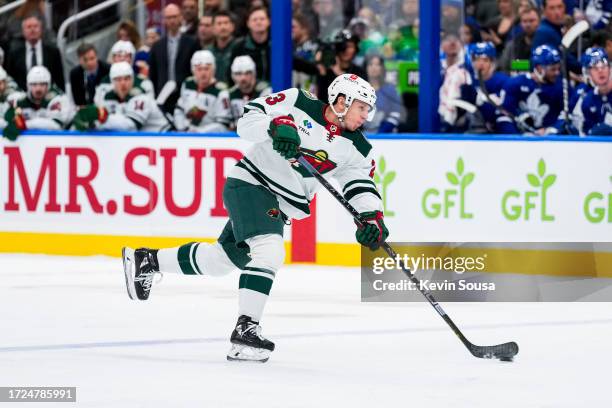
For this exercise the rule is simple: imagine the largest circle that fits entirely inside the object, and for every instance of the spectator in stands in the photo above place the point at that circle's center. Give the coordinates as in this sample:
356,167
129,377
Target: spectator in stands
328,18
503,27
520,46
469,34
303,48
223,30
535,99
206,37
123,51
603,39
256,44
44,107
212,6
484,10
550,30
85,77
13,34
404,33
124,107
204,103
34,52
246,87
171,55
332,60
141,60
189,10
389,107
127,31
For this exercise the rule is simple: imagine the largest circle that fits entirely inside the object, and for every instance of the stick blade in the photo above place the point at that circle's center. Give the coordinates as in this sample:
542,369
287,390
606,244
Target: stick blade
573,33
165,92
466,106
504,352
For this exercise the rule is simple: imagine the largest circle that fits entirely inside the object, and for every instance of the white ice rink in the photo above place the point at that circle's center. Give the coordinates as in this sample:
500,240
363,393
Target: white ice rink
69,322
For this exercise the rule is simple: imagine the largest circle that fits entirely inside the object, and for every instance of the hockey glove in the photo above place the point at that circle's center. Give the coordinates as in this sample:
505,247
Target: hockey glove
285,139
525,123
16,123
86,116
374,232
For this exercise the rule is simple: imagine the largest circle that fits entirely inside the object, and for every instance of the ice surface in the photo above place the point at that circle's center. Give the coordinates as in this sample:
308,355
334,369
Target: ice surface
69,322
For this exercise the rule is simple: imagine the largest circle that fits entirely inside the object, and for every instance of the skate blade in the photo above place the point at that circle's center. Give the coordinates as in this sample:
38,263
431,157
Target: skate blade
240,352
128,265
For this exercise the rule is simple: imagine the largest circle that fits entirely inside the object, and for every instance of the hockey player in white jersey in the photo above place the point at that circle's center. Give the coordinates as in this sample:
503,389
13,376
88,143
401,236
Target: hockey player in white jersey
246,87
125,107
123,51
267,188
44,106
204,103
9,94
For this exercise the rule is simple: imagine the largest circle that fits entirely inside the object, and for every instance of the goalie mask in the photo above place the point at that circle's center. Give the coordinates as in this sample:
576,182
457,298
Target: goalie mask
352,87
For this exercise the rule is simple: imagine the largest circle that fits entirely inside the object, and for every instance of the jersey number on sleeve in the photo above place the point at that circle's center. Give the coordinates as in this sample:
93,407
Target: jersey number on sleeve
274,99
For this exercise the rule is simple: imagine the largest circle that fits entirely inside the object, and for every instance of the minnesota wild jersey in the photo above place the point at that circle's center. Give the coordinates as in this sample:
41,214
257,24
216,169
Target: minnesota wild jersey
105,86
137,112
202,111
54,112
340,154
238,99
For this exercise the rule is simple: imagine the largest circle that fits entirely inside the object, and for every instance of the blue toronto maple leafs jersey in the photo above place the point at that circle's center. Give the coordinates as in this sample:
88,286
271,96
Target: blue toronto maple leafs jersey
596,110
473,94
522,94
598,13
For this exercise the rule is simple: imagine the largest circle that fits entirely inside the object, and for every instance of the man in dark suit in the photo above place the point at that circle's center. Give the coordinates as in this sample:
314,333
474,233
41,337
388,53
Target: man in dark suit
33,52
170,57
87,75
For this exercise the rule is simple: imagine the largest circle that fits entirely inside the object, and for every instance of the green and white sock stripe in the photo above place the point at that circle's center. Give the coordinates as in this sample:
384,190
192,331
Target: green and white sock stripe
187,260
257,279
352,188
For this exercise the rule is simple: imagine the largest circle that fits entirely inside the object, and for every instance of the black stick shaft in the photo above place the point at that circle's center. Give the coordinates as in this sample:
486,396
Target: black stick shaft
355,214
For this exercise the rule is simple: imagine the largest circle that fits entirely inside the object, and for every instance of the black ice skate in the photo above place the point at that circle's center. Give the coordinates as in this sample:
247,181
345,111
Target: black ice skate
139,266
247,342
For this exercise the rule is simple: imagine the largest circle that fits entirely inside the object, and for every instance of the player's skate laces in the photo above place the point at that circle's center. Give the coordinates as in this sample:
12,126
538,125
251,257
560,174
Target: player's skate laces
247,342
140,267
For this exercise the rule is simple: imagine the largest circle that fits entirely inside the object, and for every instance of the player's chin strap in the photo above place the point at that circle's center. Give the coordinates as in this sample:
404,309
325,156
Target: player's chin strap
340,115
538,74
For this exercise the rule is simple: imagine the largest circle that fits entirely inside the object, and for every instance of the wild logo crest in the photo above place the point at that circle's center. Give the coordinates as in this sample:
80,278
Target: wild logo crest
274,212
318,159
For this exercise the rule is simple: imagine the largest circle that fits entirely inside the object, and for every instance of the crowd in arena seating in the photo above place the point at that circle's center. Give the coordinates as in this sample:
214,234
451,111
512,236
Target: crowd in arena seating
501,66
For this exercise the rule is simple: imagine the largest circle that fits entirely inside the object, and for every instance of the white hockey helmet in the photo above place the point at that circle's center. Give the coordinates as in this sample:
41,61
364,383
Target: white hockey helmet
39,75
202,57
3,74
121,69
243,63
352,87
123,47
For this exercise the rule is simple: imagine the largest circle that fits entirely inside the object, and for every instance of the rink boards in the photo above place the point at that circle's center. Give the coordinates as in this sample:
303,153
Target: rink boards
74,194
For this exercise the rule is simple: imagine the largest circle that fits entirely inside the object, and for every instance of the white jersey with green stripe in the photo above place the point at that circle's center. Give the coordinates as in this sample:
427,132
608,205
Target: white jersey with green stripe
340,154
206,110
54,112
138,111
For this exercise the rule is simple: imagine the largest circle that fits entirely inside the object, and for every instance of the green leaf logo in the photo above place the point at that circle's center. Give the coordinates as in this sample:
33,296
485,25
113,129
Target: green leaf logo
549,181
382,179
467,180
541,168
460,167
452,178
533,180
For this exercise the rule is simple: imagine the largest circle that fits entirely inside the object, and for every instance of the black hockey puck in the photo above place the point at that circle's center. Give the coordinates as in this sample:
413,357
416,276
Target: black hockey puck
507,359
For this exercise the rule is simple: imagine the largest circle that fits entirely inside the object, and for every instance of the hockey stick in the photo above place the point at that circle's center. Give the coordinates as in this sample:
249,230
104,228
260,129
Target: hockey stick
520,124
466,106
566,42
163,96
503,352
